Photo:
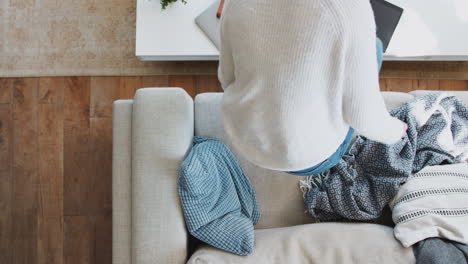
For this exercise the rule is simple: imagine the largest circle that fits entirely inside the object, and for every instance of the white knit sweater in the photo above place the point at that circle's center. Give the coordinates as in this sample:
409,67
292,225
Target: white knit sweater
296,75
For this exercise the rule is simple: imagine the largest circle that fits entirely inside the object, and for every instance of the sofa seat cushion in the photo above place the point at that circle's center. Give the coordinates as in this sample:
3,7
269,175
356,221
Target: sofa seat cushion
316,243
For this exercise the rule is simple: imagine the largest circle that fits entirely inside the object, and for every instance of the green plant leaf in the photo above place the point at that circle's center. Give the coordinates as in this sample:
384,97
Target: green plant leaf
165,3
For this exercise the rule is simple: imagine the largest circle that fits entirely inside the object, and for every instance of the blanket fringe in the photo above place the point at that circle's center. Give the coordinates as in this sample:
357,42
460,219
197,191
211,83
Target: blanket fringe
312,181
305,185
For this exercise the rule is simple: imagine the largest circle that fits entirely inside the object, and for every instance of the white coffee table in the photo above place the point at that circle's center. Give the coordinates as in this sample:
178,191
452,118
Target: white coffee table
429,30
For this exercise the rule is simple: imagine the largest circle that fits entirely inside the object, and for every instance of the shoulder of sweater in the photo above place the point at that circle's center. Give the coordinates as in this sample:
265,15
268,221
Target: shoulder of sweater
348,14
346,7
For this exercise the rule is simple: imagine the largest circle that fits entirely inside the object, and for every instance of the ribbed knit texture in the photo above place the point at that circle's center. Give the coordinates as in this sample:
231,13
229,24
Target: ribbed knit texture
296,75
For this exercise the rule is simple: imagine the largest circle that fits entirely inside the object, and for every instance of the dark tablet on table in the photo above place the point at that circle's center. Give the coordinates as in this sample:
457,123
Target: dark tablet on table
387,16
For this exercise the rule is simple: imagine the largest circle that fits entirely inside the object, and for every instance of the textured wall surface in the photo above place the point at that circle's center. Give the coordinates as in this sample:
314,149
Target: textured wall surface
97,38
76,37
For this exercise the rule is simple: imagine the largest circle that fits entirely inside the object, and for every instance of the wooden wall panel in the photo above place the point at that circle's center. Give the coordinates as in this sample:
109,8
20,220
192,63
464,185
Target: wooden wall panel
129,85
25,171
51,90
400,85
184,81
76,151
50,240
103,239
6,183
154,81
6,88
428,84
50,146
207,83
79,240
104,91
434,70
101,164
453,85
50,170
56,160
101,135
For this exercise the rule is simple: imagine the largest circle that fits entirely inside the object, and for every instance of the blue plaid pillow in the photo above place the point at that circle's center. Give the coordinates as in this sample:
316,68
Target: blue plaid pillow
217,198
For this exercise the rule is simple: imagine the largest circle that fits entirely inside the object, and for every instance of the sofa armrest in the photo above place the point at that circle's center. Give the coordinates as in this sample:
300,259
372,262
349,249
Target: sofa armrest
162,134
121,181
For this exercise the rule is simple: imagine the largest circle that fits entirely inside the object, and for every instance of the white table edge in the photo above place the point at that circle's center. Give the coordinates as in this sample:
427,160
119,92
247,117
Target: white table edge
179,57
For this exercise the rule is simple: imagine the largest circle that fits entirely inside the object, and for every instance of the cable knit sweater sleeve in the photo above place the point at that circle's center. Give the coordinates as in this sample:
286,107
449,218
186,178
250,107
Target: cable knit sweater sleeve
363,105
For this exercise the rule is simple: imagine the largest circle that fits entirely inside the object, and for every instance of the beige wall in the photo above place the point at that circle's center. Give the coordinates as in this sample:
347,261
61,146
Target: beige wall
76,37
97,38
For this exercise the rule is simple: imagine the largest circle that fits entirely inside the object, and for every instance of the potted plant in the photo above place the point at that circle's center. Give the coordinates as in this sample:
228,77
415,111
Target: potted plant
165,3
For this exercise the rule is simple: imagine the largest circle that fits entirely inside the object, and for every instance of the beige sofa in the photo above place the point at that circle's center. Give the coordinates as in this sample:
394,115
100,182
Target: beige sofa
153,133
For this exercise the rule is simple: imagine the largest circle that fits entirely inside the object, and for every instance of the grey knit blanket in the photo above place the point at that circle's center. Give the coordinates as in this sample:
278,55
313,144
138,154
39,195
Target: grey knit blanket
370,174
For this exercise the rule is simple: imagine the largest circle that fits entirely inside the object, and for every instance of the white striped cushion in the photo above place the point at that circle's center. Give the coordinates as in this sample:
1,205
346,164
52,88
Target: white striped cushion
433,203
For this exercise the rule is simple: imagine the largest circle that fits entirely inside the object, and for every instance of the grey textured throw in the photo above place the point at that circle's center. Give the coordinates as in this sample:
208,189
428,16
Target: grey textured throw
370,174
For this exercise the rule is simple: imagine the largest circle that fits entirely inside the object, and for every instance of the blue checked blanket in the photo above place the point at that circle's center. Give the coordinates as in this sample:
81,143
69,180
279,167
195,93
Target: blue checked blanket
218,200
370,174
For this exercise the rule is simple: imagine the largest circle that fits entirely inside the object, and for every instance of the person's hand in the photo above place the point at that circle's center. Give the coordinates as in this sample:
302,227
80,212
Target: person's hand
406,129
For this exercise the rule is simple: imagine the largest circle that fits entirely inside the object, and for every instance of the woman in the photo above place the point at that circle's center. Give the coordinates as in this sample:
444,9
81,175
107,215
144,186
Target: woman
299,77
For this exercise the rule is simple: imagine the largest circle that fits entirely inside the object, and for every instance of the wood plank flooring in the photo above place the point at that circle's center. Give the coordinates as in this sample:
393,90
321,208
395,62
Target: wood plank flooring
56,160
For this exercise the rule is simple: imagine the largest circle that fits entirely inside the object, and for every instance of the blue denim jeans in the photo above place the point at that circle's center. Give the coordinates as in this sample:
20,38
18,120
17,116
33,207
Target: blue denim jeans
336,157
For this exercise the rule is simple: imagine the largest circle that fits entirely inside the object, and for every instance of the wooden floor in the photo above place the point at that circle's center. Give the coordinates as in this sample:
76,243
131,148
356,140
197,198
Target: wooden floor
55,161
